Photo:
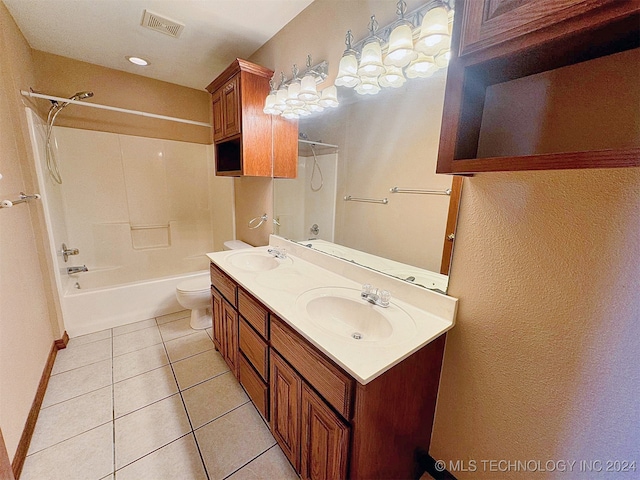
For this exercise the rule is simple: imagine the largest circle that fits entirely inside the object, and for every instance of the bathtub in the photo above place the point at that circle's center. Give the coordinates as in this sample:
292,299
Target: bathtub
88,310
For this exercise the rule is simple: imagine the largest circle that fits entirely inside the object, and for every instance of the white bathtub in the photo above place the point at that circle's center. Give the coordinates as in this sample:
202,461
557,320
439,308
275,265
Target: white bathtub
88,310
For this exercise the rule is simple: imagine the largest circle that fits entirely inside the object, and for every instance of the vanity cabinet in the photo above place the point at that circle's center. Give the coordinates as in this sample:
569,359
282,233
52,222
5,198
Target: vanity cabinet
328,425
225,330
497,41
247,141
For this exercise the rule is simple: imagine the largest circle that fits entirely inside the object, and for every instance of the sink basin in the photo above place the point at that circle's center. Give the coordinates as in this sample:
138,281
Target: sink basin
256,261
341,313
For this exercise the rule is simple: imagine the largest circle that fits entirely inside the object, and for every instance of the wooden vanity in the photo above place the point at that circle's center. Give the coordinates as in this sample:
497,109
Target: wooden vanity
328,424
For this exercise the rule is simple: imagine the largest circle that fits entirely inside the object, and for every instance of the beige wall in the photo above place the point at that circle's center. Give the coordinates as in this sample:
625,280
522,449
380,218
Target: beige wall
542,363
28,310
61,76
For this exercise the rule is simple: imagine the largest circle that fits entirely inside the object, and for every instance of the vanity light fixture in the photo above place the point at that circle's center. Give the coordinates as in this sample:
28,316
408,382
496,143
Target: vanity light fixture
388,56
141,62
297,97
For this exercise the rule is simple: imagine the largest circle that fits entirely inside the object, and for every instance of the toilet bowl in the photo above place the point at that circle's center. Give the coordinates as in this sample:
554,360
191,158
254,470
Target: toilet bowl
195,293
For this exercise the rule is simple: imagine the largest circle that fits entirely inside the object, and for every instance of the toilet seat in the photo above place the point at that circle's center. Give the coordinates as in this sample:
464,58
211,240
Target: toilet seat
195,285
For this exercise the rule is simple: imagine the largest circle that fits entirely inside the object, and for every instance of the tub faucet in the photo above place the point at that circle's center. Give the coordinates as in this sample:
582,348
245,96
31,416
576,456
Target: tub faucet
374,296
72,270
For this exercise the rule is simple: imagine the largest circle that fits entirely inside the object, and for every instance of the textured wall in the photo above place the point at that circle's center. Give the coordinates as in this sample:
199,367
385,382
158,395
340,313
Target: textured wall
542,364
28,315
61,76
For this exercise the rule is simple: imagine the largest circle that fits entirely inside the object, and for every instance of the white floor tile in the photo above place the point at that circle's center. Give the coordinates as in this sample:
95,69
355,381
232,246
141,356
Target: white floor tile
213,398
92,337
198,368
270,465
233,440
142,390
178,460
81,355
132,327
170,317
189,345
86,456
130,342
175,329
140,361
148,429
64,420
78,381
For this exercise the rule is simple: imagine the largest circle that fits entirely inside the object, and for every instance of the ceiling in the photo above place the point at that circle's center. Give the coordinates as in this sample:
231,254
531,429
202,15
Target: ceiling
104,32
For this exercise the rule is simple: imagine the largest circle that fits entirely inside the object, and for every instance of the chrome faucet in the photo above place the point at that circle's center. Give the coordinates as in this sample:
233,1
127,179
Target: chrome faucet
276,252
79,269
374,296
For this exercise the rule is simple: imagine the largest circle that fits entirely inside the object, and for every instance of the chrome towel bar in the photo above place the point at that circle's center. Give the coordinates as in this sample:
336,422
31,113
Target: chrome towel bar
349,198
420,190
23,199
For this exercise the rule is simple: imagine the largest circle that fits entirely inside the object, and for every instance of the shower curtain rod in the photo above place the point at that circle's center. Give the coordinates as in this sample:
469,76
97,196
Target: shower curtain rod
115,109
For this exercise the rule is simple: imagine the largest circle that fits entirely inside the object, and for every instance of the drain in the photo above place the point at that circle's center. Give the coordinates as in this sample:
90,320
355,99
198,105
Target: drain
356,335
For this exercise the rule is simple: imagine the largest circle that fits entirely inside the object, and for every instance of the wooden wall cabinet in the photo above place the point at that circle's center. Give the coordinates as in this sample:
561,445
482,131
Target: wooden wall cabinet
496,41
247,141
328,425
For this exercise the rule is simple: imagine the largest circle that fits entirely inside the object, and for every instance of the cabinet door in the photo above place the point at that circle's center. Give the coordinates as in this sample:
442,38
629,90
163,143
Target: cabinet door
285,408
231,102
218,332
324,441
230,328
490,22
218,123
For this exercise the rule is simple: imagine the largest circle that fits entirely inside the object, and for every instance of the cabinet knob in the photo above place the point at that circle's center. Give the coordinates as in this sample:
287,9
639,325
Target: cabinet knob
451,237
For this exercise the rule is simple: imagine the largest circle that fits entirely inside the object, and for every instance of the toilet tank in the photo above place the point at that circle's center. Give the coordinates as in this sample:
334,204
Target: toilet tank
235,245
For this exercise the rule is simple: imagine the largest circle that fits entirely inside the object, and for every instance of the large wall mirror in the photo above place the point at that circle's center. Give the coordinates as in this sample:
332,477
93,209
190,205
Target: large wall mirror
363,149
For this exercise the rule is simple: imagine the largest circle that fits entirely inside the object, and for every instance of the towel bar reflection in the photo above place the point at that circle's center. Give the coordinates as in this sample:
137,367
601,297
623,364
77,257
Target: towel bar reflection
349,198
420,190
23,199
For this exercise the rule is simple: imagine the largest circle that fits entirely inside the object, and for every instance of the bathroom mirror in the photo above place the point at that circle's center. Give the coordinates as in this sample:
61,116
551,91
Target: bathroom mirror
361,150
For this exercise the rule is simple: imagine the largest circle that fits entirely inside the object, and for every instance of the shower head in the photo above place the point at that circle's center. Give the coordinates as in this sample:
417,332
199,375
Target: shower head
82,95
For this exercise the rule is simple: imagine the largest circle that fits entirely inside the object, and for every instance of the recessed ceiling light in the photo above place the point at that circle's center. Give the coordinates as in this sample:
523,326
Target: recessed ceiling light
138,61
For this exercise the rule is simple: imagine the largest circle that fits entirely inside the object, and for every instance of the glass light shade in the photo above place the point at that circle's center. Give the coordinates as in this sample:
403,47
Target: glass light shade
435,28
442,58
421,67
314,107
393,77
281,99
348,71
269,105
371,60
368,86
400,51
329,97
308,90
289,114
433,49
292,95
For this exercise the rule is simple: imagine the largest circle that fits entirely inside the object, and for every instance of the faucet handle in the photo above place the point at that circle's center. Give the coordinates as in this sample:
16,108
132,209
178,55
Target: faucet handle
385,298
367,289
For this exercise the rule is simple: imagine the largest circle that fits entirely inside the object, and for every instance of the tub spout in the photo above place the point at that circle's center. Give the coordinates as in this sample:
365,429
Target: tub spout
72,270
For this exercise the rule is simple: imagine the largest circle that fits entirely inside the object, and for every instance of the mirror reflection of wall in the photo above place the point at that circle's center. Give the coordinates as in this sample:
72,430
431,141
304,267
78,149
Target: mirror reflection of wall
384,141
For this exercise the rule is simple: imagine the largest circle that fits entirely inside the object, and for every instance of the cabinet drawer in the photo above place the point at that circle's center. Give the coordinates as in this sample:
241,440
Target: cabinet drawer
224,284
254,348
254,313
255,387
334,385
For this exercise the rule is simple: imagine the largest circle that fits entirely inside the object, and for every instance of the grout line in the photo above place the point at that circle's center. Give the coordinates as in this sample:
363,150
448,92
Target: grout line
69,438
203,381
186,411
225,413
113,415
152,451
254,458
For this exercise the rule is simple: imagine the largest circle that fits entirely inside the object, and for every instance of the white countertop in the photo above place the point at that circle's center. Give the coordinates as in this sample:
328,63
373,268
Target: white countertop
279,289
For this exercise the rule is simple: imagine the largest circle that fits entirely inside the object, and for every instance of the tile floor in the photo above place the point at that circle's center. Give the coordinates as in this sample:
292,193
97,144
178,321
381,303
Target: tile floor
151,400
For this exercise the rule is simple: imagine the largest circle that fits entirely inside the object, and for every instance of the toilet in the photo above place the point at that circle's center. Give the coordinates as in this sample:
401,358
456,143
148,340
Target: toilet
195,293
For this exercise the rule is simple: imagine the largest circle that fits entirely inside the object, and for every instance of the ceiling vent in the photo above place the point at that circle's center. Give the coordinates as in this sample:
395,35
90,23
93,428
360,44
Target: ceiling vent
162,24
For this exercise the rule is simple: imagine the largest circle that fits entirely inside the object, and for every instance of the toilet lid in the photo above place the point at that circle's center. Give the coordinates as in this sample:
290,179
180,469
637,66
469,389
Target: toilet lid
195,284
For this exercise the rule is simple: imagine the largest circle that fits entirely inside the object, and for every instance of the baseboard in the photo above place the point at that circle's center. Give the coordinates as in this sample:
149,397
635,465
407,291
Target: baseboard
62,342
32,418
436,469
